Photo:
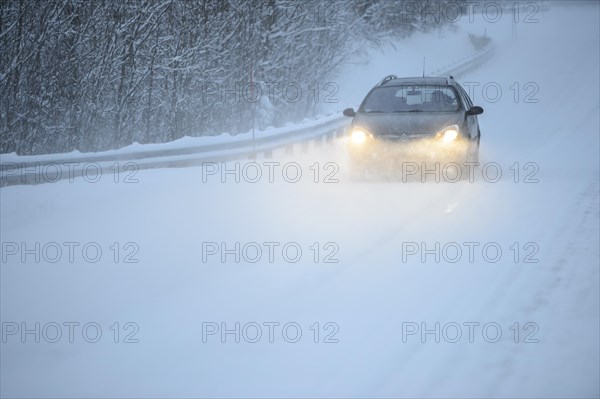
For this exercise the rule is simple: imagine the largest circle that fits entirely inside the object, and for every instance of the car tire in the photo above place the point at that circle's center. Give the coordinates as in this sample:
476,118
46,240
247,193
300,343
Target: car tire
472,157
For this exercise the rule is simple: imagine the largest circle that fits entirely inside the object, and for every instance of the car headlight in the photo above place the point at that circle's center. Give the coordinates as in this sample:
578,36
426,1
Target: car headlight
359,136
448,134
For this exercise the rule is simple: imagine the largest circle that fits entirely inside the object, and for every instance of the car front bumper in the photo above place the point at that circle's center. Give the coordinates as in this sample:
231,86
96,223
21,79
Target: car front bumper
384,152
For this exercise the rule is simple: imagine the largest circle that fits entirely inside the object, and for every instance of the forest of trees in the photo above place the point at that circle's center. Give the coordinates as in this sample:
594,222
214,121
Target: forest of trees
93,75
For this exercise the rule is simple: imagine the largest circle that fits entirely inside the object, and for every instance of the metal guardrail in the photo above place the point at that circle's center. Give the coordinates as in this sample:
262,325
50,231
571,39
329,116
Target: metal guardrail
54,169
46,169
466,64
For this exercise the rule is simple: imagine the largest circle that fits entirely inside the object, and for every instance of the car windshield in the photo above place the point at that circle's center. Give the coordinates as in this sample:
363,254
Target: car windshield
411,98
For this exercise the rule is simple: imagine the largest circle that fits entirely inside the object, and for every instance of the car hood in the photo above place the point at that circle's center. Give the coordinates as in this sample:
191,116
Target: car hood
411,124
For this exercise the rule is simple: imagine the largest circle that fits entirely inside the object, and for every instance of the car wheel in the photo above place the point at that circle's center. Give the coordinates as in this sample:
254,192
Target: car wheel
473,153
471,158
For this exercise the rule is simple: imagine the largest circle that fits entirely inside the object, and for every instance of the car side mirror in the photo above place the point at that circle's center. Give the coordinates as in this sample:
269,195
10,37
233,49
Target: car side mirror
349,112
475,110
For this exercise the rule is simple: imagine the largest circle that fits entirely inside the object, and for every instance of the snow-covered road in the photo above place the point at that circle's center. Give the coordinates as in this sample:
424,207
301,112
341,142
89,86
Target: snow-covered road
370,285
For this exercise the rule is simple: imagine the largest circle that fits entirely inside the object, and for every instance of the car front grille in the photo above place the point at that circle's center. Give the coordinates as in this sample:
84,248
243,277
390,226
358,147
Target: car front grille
404,137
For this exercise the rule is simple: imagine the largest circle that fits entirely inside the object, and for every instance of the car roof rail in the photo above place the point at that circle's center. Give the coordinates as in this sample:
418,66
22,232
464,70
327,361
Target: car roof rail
387,79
